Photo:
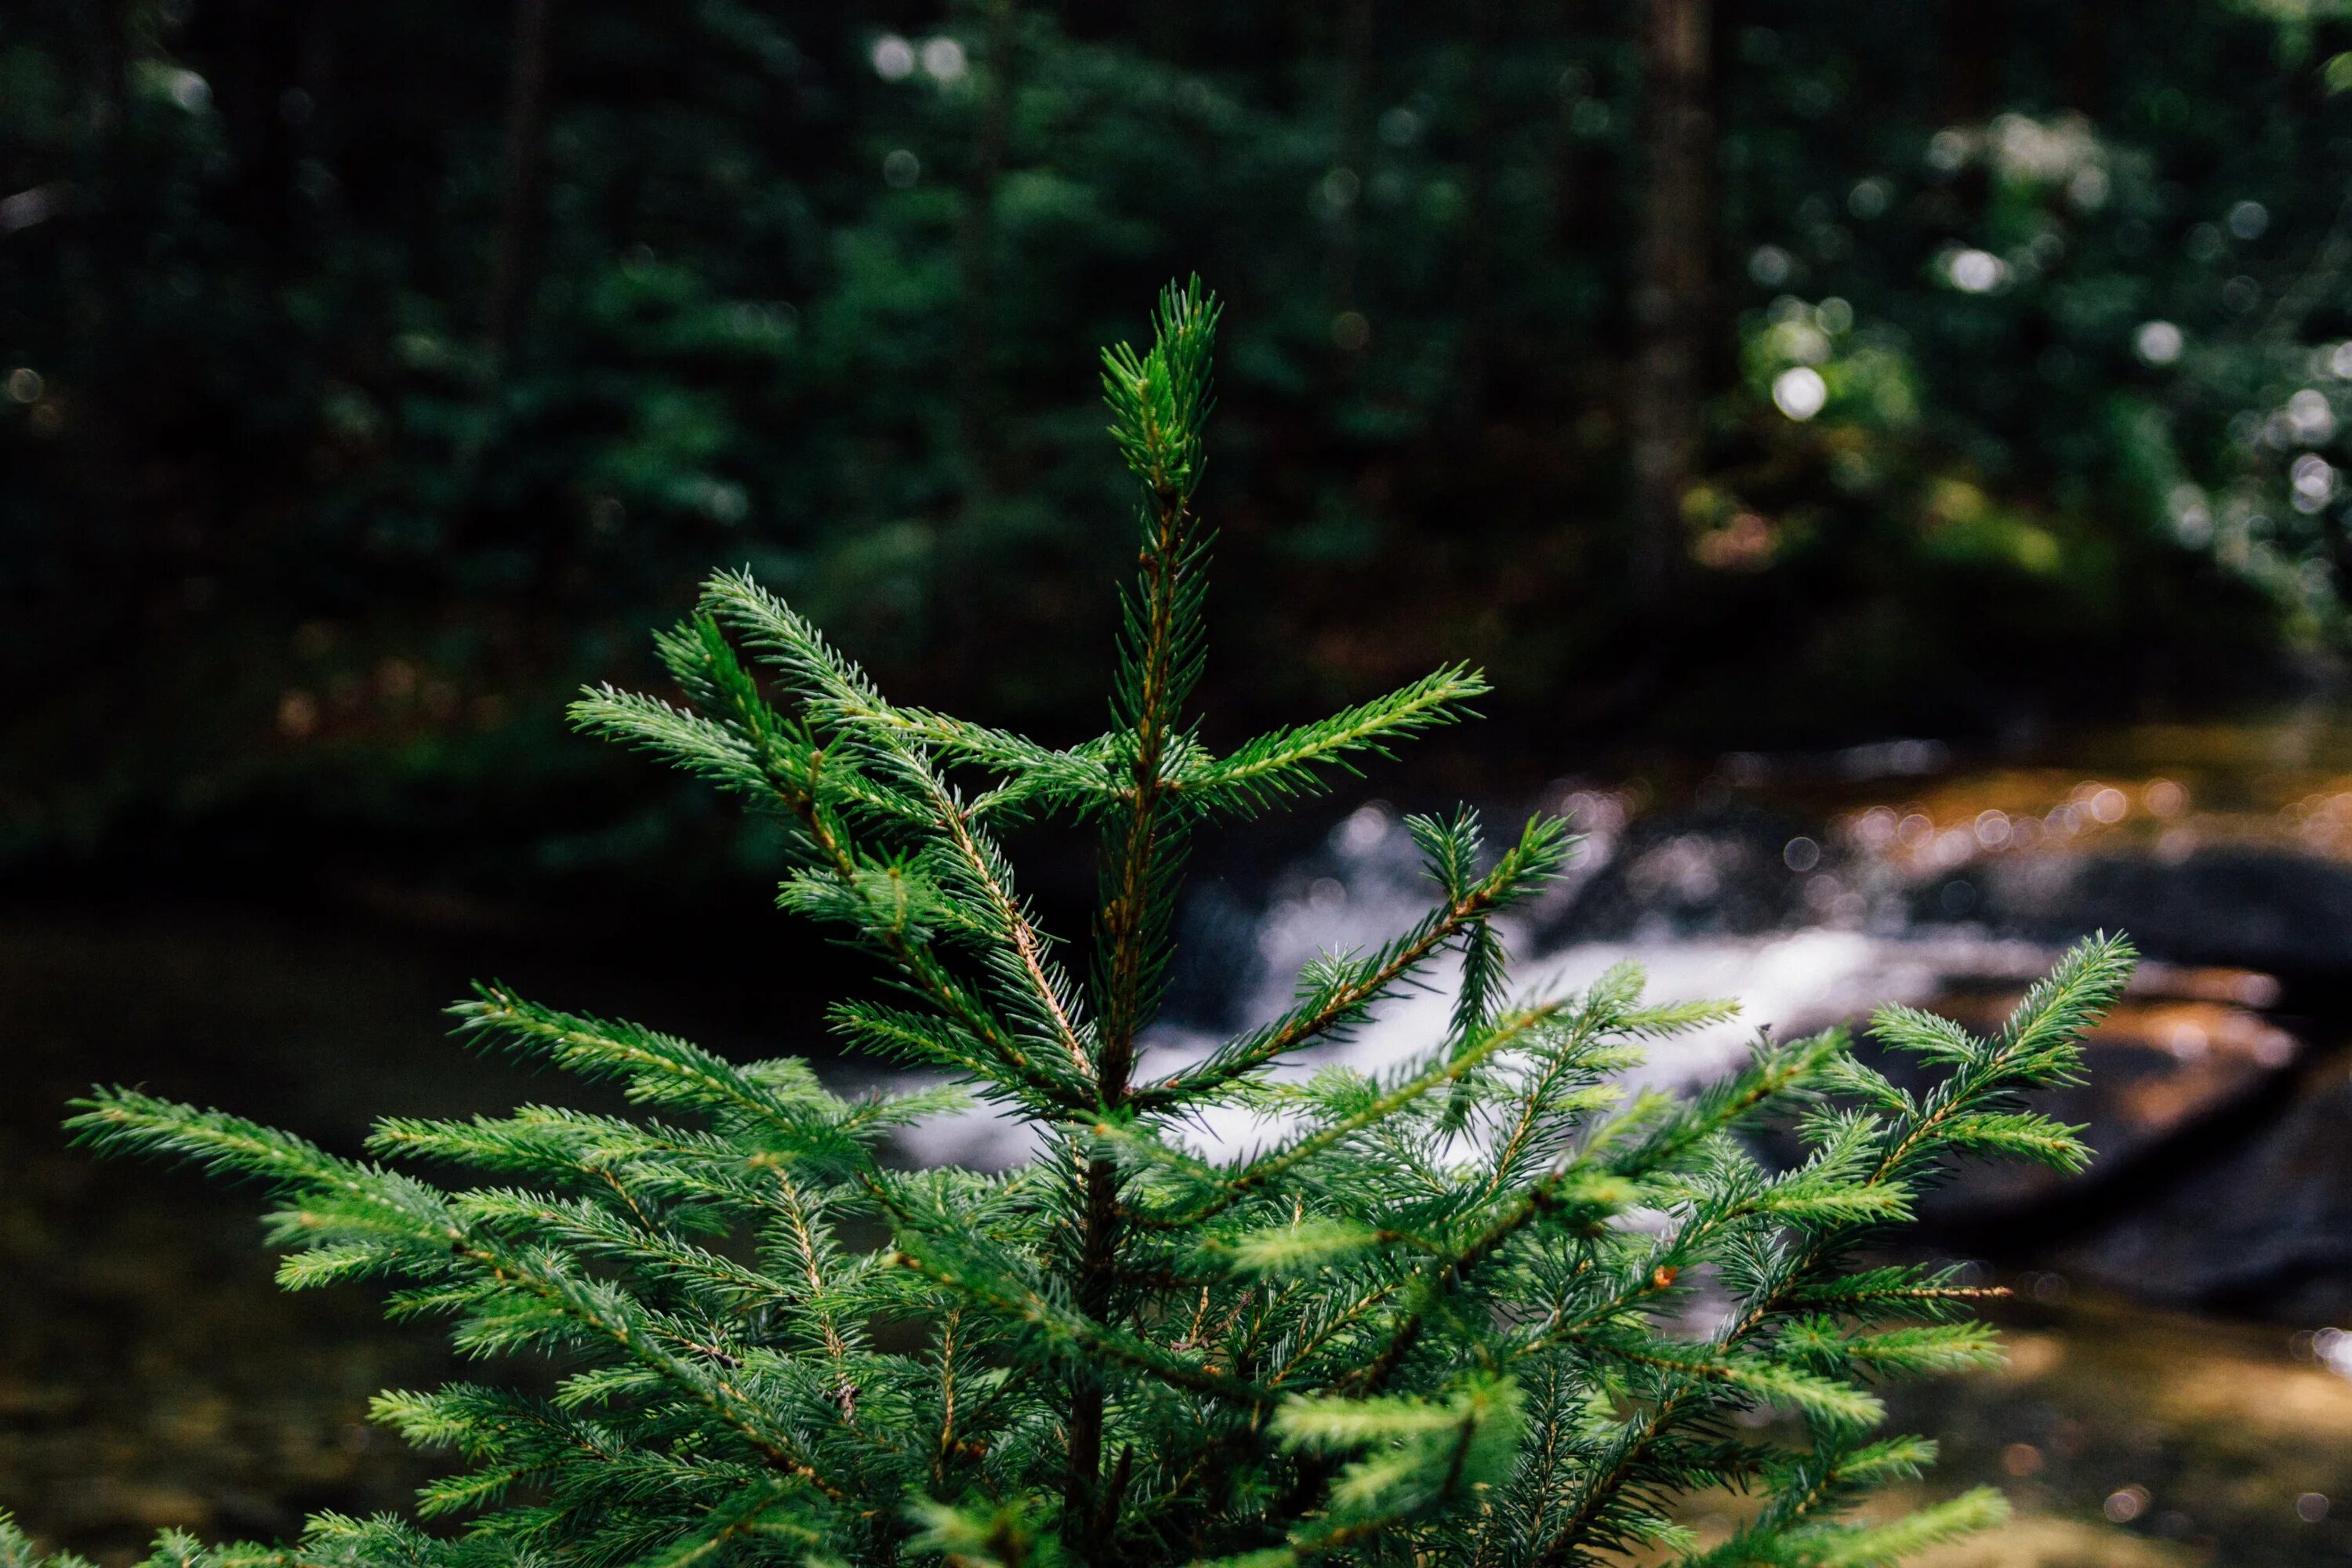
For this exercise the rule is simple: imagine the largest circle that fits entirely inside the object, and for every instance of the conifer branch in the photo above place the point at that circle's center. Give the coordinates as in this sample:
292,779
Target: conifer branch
1414,1326
1281,765
1341,995
2037,1045
1047,993
1506,1033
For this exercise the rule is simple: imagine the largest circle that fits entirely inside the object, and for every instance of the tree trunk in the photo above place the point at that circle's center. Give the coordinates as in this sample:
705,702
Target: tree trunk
1478,246
1670,287
525,163
2088,73
1354,114
109,66
1975,35
984,436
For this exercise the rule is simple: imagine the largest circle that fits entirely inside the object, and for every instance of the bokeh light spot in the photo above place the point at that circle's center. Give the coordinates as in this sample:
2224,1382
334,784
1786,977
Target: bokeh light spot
1800,392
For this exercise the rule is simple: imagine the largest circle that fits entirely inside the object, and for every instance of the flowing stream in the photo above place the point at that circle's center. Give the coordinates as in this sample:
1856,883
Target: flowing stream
2178,1391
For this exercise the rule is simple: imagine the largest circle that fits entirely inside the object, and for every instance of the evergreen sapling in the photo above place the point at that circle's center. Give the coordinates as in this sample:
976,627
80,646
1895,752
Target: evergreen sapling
1443,1315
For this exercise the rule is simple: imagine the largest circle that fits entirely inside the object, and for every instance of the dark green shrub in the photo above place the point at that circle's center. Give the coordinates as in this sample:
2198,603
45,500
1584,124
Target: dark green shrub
1443,1316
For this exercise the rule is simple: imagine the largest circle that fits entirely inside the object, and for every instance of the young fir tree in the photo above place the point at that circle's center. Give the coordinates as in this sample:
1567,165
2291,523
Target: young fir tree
1484,1308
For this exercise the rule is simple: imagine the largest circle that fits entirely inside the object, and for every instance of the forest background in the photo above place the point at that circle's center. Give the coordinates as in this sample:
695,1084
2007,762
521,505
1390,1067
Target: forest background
1718,373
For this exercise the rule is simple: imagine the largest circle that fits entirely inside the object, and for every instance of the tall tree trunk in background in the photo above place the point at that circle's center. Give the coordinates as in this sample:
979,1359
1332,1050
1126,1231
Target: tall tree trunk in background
525,165
1975,33
110,65
249,78
2088,51
314,73
976,399
1478,246
1670,286
1354,114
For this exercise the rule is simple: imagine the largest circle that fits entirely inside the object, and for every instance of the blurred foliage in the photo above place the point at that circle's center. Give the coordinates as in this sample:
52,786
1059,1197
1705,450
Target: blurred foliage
2025,392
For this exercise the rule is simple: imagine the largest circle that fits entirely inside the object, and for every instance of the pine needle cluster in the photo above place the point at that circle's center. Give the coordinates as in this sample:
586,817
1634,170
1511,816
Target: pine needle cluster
1486,1307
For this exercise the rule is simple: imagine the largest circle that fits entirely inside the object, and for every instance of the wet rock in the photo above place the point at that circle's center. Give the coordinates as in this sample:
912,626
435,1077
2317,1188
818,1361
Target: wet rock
1808,929
2184,1050
2263,1226
2266,908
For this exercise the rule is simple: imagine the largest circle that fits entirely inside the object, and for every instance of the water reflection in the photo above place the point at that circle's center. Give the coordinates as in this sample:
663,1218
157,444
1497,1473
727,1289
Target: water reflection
2130,1436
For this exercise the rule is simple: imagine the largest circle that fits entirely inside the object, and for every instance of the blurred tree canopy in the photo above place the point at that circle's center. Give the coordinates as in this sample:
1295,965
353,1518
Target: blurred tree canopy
1723,372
